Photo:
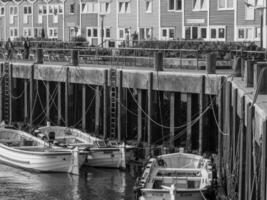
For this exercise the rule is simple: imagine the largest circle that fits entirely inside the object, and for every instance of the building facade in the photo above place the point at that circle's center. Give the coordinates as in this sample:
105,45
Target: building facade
100,21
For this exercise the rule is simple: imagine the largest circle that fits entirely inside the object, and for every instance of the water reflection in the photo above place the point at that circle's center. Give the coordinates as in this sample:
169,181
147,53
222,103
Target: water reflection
93,184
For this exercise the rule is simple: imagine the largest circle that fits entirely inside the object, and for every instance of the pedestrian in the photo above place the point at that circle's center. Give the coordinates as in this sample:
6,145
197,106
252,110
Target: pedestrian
26,48
9,49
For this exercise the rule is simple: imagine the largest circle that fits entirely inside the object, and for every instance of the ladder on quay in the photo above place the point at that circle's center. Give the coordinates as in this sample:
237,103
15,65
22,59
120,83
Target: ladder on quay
113,102
6,96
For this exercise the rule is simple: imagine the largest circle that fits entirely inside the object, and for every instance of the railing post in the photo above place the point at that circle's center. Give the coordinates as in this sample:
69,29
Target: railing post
39,56
158,61
211,59
258,69
75,57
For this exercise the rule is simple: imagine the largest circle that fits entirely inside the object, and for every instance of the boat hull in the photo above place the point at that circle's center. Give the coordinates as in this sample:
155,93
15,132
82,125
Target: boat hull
104,158
38,161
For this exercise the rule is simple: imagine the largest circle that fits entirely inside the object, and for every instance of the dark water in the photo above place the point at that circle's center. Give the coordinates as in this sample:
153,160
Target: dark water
92,184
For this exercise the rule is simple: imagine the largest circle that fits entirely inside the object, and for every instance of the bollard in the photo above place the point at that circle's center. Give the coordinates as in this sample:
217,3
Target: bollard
39,56
158,61
237,66
211,60
257,71
75,57
248,73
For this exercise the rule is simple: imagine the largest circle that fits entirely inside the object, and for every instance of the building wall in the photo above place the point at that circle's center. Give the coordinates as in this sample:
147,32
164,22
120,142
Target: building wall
71,20
109,20
15,23
2,23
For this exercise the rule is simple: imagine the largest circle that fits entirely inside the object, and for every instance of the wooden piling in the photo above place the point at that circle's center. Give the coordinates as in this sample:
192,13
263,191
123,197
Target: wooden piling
139,118
263,162
31,94
119,118
189,123
149,108
241,179
67,97
201,115
220,122
59,112
10,93
47,100
97,110
234,127
83,107
105,105
25,100
172,118
1,91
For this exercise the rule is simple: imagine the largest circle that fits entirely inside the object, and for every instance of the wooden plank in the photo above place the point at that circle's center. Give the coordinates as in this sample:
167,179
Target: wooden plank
201,117
97,110
31,94
149,109
59,108
188,122
139,117
67,98
241,180
172,118
119,105
47,100
263,162
25,100
83,107
105,105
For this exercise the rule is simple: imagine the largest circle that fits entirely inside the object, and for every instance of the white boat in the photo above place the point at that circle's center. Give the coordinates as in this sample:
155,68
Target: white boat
20,149
176,176
100,153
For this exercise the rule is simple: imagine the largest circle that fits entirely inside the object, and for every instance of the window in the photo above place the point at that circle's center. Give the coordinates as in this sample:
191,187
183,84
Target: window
89,7
72,8
225,4
249,10
195,32
175,5
124,7
148,6
217,33
107,32
50,9
27,32
121,33
37,32
199,5
60,9
13,32
92,32
2,11
248,33
27,12
104,7
53,33
259,3
145,33
13,10
167,33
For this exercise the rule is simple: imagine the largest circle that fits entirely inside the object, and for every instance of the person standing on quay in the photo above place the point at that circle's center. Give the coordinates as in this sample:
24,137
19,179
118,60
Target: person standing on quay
9,49
26,48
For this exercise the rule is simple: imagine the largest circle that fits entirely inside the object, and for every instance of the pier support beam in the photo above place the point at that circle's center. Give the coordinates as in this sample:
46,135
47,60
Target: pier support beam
25,100
119,105
149,108
47,100
172,118
201,115
59,112
188,122
1,91
105,105
67,98
139,113
83,107
220,123
31,94
10,93
263,162
97,110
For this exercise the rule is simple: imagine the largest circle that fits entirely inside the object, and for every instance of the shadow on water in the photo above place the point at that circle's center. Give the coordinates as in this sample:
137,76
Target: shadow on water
92,184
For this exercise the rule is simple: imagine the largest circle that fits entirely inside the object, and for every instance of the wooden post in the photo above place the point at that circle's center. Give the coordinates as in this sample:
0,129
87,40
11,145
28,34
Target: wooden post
47,101
201,110
257,71
25,100
97,110
172,118
59,112
119,105
220,122
248,74
10,93
211,60
263,162
149,109
83,107
237,66
67,97
1,92
234,127
105,106
188,122
31,94
139,118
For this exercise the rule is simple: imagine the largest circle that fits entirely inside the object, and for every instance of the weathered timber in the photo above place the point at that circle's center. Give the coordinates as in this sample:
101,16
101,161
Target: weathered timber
201,115
105,105
83,107
67,97
149,108
25,100
140,116
59,112
172,118
47,85
189,123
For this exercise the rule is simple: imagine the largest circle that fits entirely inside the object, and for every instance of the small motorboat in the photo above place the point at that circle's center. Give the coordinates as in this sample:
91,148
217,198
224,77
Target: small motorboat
176,176
20,149
101,153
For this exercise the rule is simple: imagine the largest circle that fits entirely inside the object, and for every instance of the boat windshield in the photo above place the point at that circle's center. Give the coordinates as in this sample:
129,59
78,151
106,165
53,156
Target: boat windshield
101,144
